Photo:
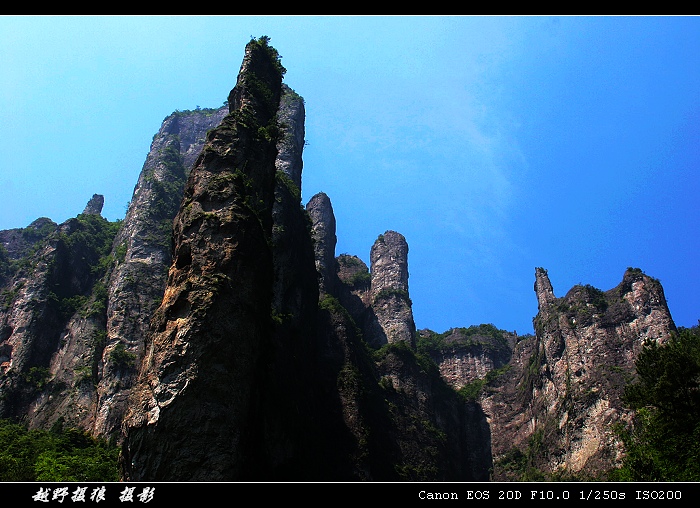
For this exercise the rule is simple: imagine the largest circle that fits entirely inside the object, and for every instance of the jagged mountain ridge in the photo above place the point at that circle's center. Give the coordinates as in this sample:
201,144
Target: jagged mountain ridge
268,357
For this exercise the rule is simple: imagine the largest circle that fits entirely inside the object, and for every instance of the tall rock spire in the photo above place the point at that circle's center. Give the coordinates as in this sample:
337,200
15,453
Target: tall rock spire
195,409
94,206
543,289
320,211
389,289
144,252
291,144
292,246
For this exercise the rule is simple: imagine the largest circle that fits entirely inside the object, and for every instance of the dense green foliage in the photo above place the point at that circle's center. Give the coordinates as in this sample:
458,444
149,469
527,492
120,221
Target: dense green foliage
664,444
5,263
294,190
54,455
121,357
401,294
485,335
472,390
263,42
93,235
31,239
361,278
88,244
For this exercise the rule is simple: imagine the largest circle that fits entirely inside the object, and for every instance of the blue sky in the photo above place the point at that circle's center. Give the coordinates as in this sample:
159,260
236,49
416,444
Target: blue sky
493,144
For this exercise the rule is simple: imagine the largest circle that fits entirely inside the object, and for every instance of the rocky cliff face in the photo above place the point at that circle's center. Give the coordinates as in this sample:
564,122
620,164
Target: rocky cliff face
143,253
468,355
52,319
194,414
104,319
216,335
559,405
401,420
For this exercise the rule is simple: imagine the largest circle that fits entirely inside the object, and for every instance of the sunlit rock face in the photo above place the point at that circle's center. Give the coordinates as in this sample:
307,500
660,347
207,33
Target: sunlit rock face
567,380
466,355
389,295
377,297
290,147
143,253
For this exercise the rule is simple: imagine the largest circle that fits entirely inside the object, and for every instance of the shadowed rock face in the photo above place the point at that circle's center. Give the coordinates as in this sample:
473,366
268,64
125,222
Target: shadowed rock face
295,287
50,319
323,230
95,205
377,298
194,414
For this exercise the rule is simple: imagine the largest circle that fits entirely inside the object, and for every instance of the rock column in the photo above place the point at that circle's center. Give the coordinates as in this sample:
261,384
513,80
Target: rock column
323,231
389,290
543,289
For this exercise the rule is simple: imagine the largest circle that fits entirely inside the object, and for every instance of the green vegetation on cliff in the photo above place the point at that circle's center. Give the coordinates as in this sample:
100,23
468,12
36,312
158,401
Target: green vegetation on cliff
483,335
664,443
86,244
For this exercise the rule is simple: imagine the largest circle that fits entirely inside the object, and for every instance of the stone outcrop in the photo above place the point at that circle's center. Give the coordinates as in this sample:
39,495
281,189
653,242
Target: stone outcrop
17,243
389,291
377,298
52,321
323,225
467,355
94,206
143,253
452,437
354,284
290,147
543,289
563,397
293,247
